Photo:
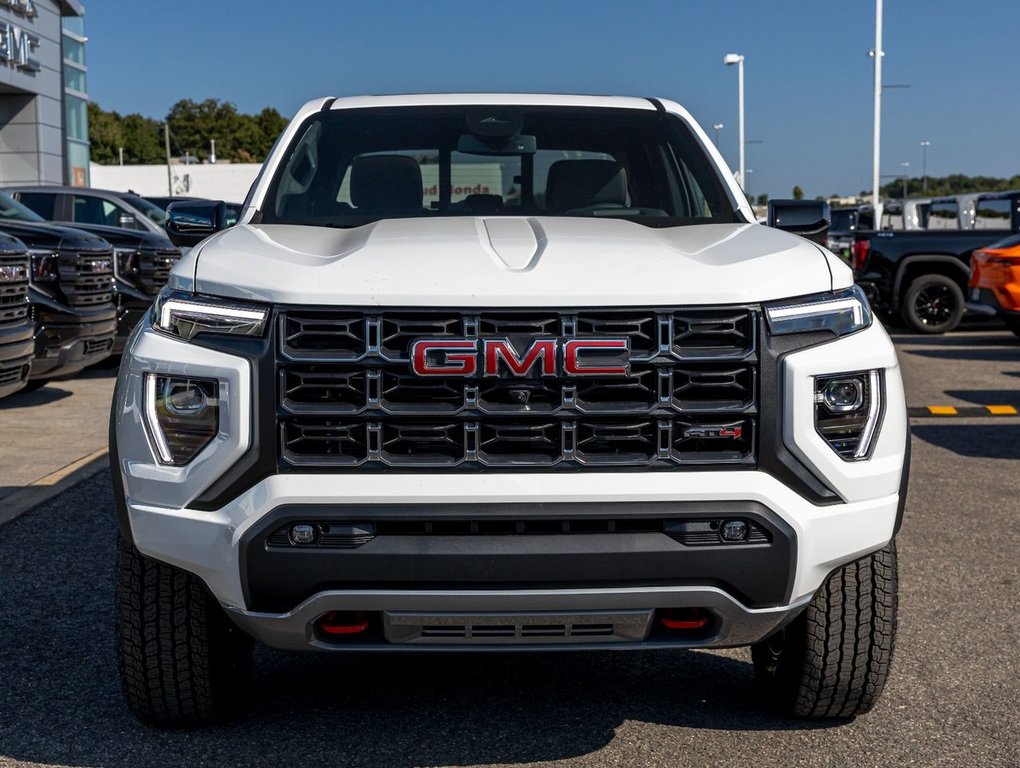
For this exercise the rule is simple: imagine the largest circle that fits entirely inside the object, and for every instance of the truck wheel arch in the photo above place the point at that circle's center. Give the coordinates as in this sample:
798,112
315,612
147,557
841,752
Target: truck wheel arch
914,266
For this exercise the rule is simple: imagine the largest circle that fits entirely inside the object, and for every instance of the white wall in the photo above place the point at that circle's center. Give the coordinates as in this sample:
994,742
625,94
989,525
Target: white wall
223,181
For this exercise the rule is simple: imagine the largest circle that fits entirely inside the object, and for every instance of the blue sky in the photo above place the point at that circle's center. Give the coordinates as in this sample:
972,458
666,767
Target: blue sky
808,74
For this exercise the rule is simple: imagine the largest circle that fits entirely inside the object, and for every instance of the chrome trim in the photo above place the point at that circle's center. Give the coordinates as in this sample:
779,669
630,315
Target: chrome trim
874,412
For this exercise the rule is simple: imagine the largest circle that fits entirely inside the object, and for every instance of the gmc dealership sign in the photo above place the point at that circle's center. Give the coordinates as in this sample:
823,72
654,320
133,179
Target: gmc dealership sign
17,46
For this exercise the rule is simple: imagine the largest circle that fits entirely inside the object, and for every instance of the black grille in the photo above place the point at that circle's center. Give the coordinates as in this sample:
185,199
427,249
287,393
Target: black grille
13,288
88,280
348,397
154,269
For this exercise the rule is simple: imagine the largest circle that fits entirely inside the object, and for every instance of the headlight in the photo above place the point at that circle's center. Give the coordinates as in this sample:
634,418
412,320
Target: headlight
841,312
182,416
127,262
847,411
185,316
45,267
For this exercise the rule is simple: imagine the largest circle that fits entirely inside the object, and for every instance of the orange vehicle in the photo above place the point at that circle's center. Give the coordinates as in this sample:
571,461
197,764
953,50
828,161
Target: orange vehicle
995,279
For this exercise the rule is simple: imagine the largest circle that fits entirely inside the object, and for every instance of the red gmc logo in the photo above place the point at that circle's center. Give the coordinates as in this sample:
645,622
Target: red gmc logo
499,357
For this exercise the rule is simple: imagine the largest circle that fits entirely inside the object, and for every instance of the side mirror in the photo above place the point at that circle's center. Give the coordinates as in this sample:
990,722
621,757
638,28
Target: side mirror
127,221
807,218
189,222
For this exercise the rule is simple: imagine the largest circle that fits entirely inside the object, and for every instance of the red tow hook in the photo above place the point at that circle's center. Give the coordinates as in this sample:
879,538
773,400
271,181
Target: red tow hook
343,623
684,618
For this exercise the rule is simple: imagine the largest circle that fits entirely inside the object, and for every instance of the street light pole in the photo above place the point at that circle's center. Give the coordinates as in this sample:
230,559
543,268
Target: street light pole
904,166
877,54
717,127
924,165
730,59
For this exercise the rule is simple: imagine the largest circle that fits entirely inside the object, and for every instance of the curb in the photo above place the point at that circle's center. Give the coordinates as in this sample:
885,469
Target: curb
963,411
45,488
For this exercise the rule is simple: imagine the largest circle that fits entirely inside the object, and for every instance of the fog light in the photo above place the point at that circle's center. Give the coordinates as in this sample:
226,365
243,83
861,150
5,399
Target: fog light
734,530
182,416
303,534
842,395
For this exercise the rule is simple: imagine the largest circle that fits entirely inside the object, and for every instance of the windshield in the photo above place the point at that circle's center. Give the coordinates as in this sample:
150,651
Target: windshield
347,168
11,209
154,212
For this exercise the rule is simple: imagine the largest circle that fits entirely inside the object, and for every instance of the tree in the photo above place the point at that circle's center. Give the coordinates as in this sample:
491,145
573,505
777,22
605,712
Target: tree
239,137
763,199
798,193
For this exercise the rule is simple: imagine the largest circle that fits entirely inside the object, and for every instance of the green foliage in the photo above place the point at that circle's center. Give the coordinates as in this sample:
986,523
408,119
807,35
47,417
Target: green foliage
956,184
240,138
798,193
763,199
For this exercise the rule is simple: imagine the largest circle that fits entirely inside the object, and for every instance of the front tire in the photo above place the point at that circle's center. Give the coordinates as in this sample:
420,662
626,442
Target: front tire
182,661
833,660
1013,323
933,304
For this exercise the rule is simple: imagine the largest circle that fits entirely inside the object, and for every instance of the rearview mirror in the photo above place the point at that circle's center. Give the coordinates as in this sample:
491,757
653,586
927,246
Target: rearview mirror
189,222
807,218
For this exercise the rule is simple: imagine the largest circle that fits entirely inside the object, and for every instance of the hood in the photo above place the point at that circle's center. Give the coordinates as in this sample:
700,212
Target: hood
55,236
120,237
507,262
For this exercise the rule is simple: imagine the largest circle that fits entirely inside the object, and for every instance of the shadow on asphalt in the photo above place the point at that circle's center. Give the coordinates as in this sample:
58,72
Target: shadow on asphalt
1009,354
957,340
987,396
982,440
60,700
29,398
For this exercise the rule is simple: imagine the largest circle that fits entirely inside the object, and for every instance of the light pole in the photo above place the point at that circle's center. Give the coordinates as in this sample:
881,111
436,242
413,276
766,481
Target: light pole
904,166
924,165
877,54
748,185
718,127
729,60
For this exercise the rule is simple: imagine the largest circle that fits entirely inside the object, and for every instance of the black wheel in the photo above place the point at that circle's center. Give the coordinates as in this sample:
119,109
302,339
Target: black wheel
1013,323
182,661
933,304
832,661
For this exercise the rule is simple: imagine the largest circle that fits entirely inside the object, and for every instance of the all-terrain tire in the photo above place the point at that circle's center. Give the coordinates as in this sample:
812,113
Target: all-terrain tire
833,660
933,304
182,661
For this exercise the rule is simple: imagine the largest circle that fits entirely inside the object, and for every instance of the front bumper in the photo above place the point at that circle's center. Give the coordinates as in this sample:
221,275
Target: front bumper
132,304
16,349
166,512
67,340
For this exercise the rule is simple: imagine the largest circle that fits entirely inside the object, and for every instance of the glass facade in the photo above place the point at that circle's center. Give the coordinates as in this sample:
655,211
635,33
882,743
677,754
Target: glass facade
76,105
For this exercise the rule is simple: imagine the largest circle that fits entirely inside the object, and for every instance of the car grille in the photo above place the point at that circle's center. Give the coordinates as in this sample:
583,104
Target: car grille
155,269
13,288
87,280
348,398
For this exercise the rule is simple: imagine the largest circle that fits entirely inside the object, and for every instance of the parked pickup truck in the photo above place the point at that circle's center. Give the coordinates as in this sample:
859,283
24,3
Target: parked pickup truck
70,293
16,327
592,405
141,265
922,276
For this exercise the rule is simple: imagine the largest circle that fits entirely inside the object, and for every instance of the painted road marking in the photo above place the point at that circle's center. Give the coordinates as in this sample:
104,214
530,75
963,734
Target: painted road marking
967,411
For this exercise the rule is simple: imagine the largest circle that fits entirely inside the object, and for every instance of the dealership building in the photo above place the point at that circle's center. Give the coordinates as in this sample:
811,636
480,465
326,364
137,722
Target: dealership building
44,136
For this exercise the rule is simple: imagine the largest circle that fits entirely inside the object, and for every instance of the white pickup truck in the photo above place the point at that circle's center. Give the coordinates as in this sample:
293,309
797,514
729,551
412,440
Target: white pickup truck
590,404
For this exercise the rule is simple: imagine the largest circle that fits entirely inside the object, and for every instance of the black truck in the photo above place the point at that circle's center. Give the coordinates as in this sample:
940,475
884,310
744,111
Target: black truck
921,275
142,263
70,293
16,327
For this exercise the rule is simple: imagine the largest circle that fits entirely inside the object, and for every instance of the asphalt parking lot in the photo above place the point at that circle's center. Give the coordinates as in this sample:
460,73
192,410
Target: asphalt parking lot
951,701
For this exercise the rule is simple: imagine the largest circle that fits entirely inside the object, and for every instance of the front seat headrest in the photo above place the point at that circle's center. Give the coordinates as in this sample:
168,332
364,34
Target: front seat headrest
386,181
584,183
